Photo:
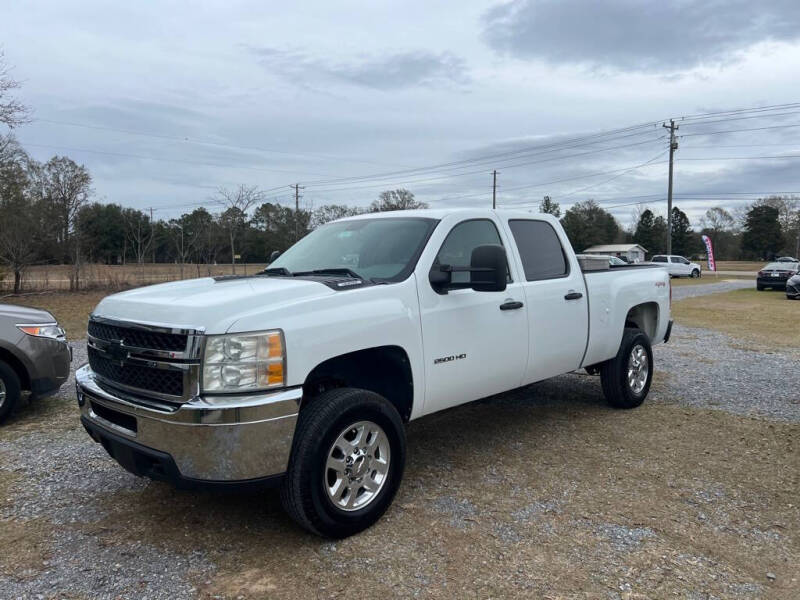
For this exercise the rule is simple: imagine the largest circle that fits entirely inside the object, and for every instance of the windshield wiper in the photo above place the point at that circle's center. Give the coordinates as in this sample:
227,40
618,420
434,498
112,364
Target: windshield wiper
331,271
277,271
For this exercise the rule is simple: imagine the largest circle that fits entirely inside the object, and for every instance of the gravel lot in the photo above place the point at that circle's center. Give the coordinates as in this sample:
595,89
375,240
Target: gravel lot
702,289
542,492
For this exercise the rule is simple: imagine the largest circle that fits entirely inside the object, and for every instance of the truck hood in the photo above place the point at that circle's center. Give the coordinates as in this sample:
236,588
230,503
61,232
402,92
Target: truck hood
212,304
23,314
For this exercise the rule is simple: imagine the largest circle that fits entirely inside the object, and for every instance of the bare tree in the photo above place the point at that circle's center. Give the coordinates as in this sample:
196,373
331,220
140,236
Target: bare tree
400,199
12,111
139,235
234,218
65,186
18,225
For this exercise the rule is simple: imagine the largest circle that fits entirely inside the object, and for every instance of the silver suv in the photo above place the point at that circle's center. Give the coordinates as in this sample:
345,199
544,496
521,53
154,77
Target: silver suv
34,355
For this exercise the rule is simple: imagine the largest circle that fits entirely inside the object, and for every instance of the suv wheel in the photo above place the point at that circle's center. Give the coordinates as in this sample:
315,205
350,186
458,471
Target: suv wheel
347,461
626,378
9,390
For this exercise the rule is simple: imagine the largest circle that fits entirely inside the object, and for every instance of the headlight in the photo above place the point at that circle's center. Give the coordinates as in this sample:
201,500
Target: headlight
244,362
49,330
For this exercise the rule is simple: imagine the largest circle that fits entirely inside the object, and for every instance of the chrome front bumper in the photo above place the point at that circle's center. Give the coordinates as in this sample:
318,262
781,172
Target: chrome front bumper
223,439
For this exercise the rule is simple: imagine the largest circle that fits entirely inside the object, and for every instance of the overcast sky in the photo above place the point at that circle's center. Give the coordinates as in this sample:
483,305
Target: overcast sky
271,94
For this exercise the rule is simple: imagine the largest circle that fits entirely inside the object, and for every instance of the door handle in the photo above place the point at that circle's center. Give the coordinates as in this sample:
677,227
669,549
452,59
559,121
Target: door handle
511,305
573,296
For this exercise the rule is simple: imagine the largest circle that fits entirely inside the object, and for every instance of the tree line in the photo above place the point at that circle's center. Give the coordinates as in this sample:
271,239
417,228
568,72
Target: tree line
767,228
47,217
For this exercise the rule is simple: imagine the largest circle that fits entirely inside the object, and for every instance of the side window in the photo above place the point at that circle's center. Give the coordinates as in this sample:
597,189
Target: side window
662,259
540,250
461,241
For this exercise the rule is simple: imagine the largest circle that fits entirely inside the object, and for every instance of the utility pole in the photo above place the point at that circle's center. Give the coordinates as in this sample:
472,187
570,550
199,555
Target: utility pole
297,187
494,188
673,145
152,235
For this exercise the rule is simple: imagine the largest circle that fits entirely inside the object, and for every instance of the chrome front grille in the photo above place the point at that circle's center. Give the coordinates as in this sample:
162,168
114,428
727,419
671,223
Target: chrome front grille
141,377
138,338
155,365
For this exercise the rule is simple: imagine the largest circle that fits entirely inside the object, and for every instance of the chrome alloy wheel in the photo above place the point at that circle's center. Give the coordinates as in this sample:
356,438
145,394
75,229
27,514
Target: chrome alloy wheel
3,393
638,369
357,466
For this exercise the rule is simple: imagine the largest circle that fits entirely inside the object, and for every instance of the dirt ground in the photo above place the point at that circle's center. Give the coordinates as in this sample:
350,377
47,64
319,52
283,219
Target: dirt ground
544,492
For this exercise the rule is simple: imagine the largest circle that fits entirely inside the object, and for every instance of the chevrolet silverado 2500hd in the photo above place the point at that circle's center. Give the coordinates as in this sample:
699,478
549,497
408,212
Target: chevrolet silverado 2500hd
304,374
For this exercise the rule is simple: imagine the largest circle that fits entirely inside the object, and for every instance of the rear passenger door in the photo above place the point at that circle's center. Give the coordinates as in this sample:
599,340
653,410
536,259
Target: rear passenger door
555,294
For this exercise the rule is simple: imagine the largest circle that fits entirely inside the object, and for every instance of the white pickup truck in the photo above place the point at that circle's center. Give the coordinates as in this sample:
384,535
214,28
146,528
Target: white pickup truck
304,375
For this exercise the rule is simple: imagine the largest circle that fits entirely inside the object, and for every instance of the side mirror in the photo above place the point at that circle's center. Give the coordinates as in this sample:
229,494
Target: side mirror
274,256
487,272
488,268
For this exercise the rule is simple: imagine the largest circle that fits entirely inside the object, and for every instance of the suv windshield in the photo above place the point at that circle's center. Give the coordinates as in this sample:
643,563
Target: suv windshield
383,249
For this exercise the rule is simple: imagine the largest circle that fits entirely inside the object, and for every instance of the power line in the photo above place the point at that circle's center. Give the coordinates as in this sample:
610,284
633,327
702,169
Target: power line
163,159
187,140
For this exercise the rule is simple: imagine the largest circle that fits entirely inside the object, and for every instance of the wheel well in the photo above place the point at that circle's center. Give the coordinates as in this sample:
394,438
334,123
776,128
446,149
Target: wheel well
13,362
384,370
644,317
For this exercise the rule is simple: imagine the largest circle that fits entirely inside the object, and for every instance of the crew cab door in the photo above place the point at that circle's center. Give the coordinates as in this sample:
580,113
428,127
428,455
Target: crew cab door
679,266
472,347
555,294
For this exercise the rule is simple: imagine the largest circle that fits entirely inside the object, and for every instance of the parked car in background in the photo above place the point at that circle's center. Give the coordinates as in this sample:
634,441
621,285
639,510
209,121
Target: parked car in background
776,274
677,266
613,261
786,259
34,355
793,287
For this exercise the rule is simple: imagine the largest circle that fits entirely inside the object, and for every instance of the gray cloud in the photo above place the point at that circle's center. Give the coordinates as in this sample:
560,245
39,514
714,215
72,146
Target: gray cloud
389,72
629,35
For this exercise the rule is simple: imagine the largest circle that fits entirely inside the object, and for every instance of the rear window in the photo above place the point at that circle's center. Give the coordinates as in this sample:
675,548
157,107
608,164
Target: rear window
781,266
540,249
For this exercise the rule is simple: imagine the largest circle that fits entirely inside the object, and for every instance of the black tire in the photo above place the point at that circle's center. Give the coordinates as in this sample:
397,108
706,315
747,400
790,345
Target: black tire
760,288
614,372
11,385
695,273
303,493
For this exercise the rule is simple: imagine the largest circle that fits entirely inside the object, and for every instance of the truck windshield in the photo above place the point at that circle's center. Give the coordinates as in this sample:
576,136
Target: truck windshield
384,249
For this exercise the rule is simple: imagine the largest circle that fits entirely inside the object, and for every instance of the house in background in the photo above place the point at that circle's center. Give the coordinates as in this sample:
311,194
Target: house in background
633,253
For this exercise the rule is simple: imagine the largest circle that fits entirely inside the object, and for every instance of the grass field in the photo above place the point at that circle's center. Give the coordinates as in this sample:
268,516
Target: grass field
765,318
116,277
71,309
739,265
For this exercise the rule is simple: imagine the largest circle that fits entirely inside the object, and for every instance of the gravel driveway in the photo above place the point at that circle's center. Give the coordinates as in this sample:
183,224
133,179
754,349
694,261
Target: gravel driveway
703,289
541,492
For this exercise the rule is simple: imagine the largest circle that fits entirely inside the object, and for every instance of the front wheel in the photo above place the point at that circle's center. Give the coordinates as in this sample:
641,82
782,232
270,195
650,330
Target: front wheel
695,274
626,378
347,461
9,390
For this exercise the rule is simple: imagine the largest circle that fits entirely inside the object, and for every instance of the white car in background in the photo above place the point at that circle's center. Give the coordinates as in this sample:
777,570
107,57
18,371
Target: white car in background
677,266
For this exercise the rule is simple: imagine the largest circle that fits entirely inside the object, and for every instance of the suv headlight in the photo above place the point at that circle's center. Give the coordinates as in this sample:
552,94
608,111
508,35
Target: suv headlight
48,330
245,362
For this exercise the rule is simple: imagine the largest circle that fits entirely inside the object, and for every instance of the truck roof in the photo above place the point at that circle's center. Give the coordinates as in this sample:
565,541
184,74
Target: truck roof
440,213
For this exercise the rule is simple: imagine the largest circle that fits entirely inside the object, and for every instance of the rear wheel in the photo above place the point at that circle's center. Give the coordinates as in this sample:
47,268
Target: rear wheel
626,378
347,461
9,390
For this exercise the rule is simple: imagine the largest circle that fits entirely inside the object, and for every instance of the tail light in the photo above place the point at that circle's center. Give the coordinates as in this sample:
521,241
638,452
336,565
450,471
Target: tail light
761,273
